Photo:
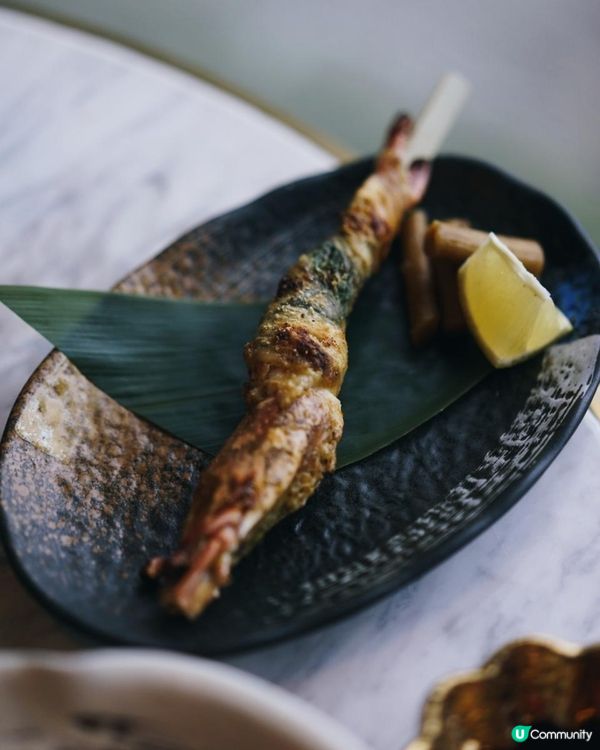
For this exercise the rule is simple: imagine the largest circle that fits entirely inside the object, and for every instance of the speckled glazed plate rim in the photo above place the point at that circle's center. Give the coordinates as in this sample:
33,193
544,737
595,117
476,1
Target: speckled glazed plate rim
177,676
503,500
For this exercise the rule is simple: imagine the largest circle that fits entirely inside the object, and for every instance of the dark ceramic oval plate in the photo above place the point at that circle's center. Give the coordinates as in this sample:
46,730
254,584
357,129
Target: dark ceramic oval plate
90,492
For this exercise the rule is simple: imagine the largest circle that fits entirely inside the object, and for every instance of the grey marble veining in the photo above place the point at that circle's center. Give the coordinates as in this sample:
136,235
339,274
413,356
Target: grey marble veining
106,157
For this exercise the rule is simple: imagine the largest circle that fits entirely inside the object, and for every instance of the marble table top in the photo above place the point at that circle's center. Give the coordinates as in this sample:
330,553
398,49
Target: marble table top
106,157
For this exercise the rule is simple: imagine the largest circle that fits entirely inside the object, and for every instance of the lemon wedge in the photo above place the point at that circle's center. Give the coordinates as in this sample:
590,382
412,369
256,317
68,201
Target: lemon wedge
511,315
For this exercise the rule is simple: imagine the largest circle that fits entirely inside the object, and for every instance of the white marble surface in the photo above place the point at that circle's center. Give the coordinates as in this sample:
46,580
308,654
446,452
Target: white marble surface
106,156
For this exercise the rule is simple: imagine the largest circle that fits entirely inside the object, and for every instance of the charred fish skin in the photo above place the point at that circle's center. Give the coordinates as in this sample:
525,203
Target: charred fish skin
287,441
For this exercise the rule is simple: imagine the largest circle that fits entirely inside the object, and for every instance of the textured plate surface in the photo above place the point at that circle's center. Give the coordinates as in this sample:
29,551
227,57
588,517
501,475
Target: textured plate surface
89,491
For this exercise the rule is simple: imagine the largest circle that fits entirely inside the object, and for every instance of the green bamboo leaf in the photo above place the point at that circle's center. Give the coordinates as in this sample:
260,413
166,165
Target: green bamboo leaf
179,363
391,388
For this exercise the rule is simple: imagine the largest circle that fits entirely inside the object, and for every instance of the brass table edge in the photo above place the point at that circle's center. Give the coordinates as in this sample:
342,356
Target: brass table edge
595,405
324,141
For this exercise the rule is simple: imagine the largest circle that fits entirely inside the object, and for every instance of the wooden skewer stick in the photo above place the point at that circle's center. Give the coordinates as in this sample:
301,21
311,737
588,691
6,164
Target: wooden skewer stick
437,117
454,243
419,282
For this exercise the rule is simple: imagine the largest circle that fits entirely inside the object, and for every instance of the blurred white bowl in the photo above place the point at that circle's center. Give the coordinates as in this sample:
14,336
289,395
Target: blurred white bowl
147,700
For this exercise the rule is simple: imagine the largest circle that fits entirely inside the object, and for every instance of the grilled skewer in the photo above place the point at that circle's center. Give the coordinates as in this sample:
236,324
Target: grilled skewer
287,441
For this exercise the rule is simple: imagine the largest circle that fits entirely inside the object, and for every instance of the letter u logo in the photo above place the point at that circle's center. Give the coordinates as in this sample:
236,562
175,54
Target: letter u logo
520,733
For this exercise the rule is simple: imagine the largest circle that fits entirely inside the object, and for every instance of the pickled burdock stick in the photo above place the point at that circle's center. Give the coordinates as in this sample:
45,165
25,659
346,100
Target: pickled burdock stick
419,282
445,274
446,284
449,241
458,222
